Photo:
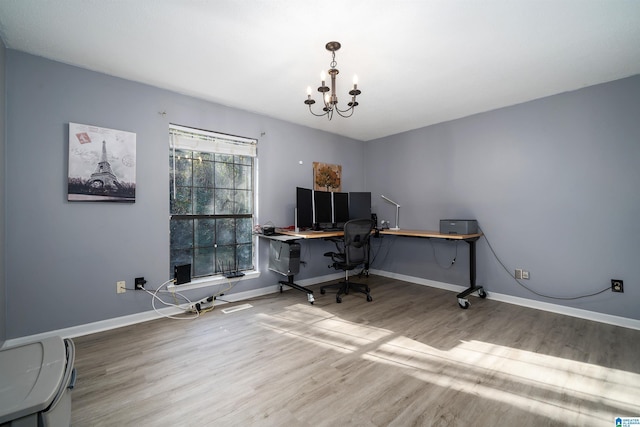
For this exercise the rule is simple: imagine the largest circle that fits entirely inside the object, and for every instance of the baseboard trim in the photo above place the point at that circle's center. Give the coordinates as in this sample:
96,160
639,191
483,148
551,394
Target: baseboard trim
419,281
523,302
118,322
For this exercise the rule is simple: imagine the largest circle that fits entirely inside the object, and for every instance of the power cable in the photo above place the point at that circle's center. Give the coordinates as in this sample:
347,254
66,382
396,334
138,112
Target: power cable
435,257
531,290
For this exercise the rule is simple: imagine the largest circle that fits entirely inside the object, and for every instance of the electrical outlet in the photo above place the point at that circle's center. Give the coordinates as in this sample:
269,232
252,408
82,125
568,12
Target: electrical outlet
525,274
617,285
139,281
121,287
518,274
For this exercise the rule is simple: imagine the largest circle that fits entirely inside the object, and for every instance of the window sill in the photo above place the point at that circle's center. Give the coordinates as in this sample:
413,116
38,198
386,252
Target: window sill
211,281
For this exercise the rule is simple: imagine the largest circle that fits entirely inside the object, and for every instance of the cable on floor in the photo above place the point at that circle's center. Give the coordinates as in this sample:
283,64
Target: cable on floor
155,296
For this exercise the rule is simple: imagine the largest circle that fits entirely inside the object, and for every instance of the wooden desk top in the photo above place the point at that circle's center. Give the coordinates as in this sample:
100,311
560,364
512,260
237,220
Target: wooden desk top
431,234
401,232
310,234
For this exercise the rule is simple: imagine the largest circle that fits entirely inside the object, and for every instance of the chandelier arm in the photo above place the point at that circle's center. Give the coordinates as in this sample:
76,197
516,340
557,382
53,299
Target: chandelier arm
318,115
340,112
351,107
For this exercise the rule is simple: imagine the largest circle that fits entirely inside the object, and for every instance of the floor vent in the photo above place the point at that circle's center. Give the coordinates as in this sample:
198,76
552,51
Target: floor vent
236,308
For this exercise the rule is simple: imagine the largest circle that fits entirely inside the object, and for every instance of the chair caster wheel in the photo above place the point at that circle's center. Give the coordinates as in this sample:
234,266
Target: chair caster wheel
338,300
482,293
369,299
463,303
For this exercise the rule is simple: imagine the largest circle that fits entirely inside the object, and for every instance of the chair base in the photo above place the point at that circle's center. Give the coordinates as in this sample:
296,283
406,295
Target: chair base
344,287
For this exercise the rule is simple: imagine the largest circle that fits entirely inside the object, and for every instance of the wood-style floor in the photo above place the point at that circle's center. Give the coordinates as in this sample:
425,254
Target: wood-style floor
409,358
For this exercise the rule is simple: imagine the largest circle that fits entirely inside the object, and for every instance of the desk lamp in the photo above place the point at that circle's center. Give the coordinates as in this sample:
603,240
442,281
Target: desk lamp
397,211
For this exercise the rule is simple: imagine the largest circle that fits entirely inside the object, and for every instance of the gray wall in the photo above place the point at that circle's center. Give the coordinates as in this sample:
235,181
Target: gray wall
3,101
552,182
63,259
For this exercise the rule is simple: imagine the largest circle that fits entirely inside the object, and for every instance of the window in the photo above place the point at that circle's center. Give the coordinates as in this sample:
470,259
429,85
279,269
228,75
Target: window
211,201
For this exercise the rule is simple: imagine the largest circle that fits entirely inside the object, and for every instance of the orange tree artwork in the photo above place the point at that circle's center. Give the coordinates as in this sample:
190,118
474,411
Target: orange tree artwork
327,177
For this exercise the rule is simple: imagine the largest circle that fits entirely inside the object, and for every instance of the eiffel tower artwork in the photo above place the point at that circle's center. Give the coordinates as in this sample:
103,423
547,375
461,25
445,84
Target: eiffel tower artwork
101,164
104,178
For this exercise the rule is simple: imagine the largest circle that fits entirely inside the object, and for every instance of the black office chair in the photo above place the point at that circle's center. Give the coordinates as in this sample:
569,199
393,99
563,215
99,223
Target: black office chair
353,252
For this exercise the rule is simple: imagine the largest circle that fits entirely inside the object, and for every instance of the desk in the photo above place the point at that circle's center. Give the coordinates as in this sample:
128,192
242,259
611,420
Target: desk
290,236
287,240
309,234
471,239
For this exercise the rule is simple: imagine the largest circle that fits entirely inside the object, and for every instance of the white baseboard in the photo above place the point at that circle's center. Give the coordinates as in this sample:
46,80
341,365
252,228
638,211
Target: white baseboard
524,302
419,281
118,322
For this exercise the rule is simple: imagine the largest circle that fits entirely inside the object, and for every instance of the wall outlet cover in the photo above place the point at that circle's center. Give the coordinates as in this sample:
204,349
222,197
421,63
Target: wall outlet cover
121,287
617,285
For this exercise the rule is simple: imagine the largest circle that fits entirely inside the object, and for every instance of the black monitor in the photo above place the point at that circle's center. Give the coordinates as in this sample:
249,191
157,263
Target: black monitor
340,208
322,209
359,205
304,207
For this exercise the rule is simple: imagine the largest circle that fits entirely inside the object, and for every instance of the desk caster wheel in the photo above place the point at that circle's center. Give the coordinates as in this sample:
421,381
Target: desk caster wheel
280,288
369,299
463,303
310,298
338,300
322,291
482,293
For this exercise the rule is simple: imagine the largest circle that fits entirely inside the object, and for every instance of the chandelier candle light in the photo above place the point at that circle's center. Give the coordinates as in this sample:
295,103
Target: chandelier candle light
330,98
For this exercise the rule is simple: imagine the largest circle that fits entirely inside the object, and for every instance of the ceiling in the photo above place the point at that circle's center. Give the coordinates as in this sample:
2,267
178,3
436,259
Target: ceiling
418,62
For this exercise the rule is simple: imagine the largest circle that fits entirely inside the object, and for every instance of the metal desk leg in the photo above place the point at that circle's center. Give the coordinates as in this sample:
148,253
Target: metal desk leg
293,285
462,296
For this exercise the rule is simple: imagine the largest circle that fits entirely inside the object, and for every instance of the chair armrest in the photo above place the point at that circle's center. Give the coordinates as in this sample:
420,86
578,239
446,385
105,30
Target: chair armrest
335,256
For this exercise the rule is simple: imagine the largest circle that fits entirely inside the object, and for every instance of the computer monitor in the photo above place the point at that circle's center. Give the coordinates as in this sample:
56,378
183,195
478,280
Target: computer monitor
359,205
340,208
322,209
304,207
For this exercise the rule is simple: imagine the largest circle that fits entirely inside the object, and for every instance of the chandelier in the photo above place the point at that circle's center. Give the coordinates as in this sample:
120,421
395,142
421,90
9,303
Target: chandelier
329,96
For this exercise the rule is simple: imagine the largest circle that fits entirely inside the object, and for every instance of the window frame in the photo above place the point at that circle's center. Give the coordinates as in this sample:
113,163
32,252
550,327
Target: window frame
219,146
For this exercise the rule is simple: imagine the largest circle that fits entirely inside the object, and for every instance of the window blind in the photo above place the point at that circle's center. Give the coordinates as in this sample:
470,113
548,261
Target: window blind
183,138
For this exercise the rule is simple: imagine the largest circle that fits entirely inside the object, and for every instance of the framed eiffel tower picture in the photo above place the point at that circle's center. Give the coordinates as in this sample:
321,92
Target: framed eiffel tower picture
102,164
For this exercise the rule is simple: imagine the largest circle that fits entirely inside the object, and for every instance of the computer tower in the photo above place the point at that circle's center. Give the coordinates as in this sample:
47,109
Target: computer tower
284,257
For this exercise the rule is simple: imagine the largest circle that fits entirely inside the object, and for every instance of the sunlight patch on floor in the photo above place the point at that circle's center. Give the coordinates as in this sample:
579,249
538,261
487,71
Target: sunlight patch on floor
559,388
552,386
322,328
